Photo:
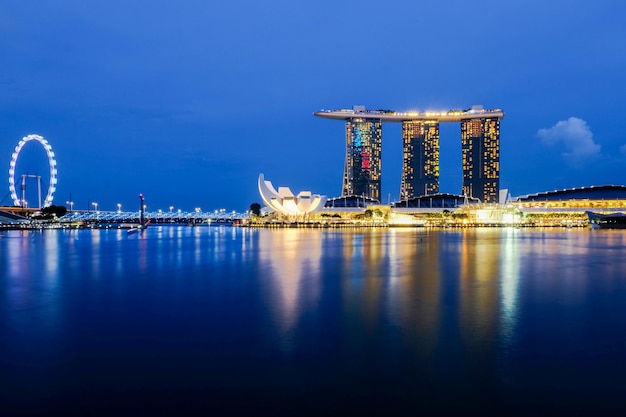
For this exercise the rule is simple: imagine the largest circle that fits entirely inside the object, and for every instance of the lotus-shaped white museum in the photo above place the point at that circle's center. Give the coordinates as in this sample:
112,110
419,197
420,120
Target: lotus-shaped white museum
283,200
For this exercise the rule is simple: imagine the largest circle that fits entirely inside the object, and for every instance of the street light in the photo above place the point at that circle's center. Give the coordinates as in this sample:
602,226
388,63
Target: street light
71,204
95,205
171,208
119,208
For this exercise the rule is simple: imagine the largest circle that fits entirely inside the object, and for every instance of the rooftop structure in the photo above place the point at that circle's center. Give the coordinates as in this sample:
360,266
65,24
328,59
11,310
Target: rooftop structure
594,192
443,201
476,112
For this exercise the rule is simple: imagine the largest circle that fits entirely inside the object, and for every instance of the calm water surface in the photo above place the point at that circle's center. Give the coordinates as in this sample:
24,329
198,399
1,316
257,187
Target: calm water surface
185,320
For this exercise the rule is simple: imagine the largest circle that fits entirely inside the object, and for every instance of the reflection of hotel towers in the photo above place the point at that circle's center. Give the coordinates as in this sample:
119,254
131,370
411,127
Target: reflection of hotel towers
418,293
480,281
480,142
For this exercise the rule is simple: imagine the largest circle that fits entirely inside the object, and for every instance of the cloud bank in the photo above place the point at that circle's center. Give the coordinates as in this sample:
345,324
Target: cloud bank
575,136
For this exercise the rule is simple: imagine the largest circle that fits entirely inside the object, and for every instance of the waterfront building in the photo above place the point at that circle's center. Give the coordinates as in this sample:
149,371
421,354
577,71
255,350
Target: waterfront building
480,144
350,202
603,198
436,201
363,158
285,202
480,148
420,167
562,208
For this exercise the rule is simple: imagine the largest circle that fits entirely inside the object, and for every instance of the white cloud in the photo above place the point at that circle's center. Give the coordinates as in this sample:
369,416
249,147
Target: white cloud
575,136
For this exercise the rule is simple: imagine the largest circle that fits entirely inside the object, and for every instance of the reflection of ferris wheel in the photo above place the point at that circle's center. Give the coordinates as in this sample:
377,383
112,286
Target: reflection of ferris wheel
52,164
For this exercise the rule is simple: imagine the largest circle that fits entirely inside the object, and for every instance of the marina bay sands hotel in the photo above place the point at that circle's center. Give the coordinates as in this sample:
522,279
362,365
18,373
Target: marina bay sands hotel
480,147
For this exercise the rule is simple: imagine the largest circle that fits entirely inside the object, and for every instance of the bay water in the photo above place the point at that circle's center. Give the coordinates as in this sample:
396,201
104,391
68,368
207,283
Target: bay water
239,321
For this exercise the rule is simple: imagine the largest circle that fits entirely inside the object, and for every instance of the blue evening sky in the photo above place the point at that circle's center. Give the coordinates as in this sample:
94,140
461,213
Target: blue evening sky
188,101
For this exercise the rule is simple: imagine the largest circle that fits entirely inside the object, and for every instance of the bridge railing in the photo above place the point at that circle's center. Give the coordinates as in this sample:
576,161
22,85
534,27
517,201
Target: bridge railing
157,217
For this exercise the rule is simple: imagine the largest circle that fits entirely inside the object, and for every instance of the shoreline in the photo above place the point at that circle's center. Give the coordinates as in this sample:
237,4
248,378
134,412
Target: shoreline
296,225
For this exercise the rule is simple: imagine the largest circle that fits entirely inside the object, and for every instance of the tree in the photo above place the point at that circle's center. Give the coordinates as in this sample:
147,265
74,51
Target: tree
255,208
53,210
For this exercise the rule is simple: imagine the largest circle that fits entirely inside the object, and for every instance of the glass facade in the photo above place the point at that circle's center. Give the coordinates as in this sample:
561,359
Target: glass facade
363,158
420,169
480,143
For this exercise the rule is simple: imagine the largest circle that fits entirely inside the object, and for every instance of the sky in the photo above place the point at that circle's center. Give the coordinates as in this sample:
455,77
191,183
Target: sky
188,102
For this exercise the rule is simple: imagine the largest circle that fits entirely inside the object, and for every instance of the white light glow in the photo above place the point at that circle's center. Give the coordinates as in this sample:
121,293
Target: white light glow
284,201
51,163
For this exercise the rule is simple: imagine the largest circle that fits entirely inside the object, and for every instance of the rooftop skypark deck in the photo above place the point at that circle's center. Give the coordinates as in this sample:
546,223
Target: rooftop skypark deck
476,112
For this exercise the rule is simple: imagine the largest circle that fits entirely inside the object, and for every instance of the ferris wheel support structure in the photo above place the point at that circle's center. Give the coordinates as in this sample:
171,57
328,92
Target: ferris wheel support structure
38,178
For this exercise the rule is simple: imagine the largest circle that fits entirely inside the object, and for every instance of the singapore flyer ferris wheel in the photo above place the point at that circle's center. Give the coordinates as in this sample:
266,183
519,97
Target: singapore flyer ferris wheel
52,165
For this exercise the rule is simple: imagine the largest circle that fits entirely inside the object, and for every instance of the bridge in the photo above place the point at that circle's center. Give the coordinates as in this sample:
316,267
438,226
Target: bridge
155,217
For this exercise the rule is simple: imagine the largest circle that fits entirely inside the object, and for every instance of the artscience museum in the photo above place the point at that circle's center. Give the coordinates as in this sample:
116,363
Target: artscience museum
285,202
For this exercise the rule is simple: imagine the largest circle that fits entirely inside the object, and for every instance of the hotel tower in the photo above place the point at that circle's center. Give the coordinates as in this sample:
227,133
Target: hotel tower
361,175
480,150
480,144
420,149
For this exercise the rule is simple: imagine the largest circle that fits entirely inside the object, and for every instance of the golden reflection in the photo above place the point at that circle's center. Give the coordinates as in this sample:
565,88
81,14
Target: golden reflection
479,285
363,276
415,286
392,276
293,257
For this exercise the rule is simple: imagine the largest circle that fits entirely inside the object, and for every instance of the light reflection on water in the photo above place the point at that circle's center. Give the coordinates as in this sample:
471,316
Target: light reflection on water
291,259
510,266
398,311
